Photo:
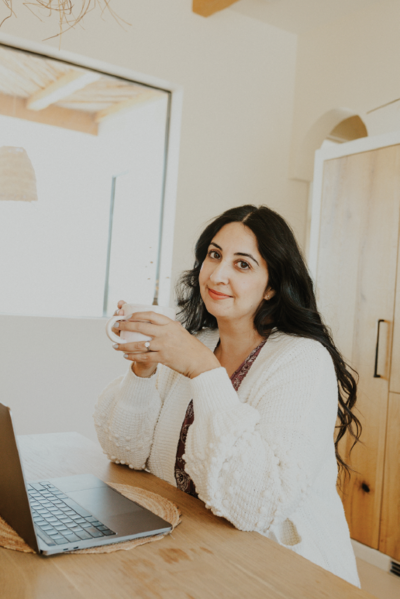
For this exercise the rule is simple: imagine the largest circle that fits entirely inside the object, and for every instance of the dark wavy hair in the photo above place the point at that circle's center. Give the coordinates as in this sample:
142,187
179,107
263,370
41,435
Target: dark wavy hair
292,310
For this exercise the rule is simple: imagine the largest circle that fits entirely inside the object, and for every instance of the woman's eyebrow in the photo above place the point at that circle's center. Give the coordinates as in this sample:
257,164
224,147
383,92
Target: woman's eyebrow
237,253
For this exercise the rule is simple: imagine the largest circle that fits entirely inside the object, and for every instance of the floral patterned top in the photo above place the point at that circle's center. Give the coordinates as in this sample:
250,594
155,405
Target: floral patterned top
183,480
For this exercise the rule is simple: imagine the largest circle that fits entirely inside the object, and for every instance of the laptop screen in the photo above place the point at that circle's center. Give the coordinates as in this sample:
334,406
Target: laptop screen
14,504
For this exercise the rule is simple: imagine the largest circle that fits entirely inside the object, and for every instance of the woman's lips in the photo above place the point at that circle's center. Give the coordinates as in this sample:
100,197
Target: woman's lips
216,295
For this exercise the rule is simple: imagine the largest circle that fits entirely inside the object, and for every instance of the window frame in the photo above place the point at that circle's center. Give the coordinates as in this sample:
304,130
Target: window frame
164,292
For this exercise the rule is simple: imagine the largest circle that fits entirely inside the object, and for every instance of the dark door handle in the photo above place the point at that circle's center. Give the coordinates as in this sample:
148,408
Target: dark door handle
376,375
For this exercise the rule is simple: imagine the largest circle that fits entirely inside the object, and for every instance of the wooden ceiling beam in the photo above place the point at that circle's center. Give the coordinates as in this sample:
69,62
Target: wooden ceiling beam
62,88
75,120
125,105
206,8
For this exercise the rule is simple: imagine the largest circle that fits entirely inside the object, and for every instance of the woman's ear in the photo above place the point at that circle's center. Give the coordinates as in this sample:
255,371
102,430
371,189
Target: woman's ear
269,294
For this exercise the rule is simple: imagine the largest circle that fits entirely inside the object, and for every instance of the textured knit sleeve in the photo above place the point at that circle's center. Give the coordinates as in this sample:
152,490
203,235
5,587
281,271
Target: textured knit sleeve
254,464
125,417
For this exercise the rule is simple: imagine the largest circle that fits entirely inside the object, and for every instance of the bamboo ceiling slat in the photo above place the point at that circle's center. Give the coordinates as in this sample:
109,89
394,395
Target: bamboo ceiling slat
23,75
102,94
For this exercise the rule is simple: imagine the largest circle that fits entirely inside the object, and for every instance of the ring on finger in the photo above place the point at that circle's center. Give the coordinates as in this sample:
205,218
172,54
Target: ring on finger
147,345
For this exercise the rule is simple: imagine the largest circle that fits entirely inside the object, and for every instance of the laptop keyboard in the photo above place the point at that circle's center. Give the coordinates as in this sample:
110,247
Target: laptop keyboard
58,519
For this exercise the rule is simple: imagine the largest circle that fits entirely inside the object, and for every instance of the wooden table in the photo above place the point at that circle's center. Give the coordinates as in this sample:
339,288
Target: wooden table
204,558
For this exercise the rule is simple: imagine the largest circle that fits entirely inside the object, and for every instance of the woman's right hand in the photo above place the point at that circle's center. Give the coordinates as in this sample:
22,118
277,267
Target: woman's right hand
118,311
138,369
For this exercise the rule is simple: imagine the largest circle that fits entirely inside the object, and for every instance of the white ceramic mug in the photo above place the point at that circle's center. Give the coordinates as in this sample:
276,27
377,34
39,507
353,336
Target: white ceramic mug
129,309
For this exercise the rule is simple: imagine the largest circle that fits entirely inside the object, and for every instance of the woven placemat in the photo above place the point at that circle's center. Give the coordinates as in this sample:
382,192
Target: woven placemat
160,506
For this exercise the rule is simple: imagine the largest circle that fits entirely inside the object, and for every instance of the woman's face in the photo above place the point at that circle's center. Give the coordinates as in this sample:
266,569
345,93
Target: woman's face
234,276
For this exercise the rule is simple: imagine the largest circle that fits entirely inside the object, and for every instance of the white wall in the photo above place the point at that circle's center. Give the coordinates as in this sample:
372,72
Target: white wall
53,369
238,76
349,65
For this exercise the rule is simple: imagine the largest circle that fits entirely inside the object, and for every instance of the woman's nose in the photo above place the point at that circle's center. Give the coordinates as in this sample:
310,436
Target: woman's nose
220,274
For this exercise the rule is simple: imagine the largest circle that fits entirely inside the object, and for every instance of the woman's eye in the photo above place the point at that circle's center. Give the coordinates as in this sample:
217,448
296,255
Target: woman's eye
243,265
214,255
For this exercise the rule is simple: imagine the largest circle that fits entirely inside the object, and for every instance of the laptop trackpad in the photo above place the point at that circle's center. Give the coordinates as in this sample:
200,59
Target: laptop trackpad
104,502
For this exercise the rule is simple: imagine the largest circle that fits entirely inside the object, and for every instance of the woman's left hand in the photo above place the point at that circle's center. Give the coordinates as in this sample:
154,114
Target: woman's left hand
171,345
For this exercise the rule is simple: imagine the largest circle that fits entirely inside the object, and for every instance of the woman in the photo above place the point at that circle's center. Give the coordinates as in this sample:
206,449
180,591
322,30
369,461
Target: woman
239,405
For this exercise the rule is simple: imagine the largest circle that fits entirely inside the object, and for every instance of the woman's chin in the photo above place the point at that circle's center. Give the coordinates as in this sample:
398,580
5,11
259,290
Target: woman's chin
211,310
217,311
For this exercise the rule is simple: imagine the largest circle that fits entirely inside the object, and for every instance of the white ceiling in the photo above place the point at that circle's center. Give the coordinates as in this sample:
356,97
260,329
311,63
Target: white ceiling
298,16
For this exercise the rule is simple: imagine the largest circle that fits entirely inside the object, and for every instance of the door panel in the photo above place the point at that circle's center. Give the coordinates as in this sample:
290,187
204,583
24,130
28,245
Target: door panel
395,367
389,542
356,275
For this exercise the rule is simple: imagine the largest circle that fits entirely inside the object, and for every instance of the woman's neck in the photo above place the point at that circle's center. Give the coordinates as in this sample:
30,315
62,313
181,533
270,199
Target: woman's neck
237,340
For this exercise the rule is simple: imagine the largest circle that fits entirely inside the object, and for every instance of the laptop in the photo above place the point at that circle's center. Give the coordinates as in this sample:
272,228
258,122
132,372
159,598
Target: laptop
66,513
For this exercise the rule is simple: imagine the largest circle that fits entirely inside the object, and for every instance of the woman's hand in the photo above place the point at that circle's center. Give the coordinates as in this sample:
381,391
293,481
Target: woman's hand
119,310
170,345
142,370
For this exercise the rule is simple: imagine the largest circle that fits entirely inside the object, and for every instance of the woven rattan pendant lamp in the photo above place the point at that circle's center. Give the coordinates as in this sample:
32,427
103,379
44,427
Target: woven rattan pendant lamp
17,177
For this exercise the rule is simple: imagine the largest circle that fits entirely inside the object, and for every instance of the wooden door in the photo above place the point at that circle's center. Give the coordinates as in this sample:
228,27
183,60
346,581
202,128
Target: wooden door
389,541
356,275
395,367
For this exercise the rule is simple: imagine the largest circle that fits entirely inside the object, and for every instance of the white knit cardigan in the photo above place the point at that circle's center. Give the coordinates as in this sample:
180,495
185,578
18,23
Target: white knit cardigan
262,457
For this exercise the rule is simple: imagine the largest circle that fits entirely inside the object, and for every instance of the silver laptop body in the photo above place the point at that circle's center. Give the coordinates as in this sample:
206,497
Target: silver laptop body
66,513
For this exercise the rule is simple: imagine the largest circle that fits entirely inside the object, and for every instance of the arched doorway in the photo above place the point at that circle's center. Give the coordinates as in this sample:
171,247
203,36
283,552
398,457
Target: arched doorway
336,126
341,123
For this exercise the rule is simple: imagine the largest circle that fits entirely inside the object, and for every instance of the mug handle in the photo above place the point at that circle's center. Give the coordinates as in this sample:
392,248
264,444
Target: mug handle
112,336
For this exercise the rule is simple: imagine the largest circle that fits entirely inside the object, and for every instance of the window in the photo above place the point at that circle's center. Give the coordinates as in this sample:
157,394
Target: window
98,153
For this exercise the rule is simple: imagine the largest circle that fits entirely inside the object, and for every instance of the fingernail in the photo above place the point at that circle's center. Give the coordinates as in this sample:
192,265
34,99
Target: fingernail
115,346
125,355
116,326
